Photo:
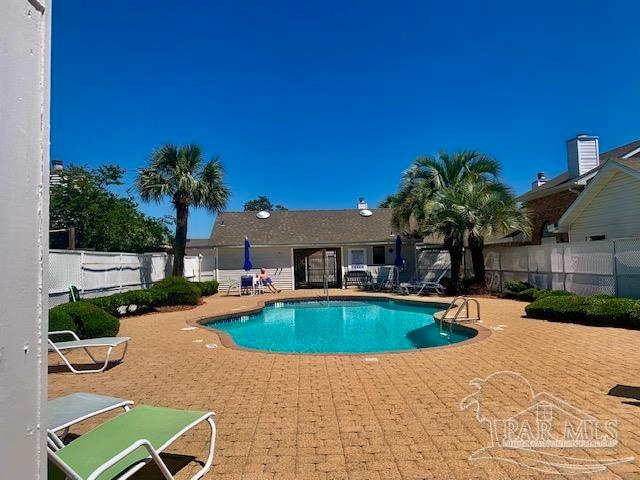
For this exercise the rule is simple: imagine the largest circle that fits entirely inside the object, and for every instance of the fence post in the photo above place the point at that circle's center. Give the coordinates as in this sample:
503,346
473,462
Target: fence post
526,250
120,273
564,270
500,269
615,269
82,273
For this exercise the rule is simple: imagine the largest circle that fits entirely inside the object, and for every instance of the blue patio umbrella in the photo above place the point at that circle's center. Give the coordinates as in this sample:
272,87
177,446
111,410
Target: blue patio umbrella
247,255
398,262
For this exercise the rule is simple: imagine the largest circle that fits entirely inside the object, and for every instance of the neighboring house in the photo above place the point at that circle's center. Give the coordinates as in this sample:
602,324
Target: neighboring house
609,206
549,199
290,244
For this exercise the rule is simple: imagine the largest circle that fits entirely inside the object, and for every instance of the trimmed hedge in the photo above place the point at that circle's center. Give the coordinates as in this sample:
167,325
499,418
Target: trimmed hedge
516,286
84,318
175,291
207,288
134,301
531,294
598,310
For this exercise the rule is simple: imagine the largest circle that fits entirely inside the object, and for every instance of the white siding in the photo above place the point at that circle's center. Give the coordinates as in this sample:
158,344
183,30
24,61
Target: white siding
276,260
614,211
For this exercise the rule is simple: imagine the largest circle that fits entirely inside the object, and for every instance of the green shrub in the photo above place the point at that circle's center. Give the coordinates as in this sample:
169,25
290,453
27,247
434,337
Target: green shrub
84,318
552,293
128,302
604,310
601,296
569,308
175,291
598,310
516,286
528,295
207,288
59,319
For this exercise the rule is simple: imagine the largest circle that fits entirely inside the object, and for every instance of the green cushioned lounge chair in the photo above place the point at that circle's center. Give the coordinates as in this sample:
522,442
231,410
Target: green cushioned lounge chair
107,342
124,444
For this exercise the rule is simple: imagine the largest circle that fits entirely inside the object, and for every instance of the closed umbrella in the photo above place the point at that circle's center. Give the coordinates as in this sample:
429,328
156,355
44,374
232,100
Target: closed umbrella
398,262
247,255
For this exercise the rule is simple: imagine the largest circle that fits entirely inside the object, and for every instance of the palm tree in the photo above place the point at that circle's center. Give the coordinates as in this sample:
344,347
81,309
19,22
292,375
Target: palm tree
436,193
494,213
181,174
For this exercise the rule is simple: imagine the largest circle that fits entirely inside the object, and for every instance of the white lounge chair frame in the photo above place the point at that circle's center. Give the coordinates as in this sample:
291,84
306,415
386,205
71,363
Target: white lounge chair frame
432,285
154,455
88,413
109,342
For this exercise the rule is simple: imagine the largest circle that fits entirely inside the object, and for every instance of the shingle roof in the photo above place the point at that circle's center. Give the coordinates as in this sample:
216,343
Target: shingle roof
621,151
303,227
633,163
613,154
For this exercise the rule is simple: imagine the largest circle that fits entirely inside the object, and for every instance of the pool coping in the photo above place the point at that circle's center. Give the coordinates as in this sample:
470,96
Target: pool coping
228,342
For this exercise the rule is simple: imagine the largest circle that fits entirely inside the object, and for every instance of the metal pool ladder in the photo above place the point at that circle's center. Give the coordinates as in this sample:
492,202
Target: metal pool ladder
454,312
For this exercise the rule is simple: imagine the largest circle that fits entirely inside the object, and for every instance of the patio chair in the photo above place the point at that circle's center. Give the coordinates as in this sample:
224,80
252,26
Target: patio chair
109,342
64,412
124,444
430,283
246,285
383,281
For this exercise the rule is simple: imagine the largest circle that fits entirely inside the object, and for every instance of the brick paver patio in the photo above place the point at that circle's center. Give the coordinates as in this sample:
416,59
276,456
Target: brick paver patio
339,417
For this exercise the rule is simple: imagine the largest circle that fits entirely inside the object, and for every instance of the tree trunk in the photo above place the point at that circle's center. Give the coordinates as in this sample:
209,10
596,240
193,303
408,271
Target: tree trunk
476,245
455,249
182,216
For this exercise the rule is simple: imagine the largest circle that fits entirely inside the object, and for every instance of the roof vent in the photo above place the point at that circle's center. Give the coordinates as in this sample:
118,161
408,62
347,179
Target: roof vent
540,180
262,214
365,212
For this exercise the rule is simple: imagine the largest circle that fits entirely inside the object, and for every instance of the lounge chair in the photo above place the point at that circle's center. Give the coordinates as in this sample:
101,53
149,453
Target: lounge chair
109,342
124,444
64,412
430,283
383,281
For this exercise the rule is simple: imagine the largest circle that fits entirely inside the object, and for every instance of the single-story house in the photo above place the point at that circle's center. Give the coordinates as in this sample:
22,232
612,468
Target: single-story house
549,199
609,206
290,245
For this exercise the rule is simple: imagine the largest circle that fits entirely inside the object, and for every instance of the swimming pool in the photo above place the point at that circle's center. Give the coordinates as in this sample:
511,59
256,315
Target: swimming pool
341,326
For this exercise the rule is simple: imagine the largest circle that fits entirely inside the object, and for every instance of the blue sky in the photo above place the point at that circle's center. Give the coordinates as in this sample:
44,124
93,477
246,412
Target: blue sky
315,105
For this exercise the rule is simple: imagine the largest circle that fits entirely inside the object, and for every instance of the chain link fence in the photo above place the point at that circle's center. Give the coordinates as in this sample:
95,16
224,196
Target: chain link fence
611,267
103,273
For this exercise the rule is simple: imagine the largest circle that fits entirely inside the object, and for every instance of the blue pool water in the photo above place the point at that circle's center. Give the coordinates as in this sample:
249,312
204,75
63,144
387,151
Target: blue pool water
346,326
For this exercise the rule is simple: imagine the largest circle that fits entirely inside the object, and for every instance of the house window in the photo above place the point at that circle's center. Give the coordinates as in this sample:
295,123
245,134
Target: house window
378,255
357,256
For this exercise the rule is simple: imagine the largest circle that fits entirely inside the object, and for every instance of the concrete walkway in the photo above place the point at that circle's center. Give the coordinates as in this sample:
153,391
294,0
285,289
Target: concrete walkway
340,417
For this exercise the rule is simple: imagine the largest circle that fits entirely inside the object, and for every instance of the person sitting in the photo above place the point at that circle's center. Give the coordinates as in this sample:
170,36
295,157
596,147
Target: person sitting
266,280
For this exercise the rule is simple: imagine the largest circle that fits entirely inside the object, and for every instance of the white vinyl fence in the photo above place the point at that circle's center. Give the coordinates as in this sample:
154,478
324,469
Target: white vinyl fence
611,267
103,273
432,259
